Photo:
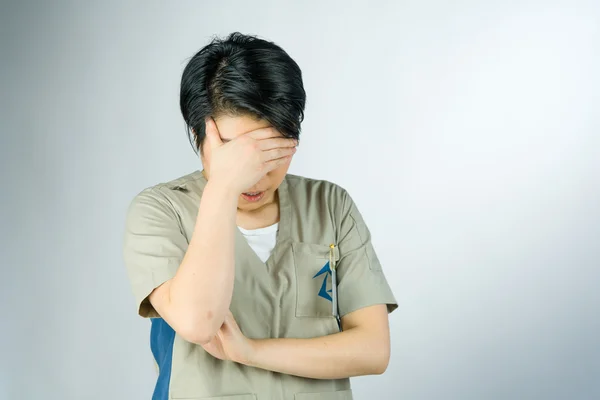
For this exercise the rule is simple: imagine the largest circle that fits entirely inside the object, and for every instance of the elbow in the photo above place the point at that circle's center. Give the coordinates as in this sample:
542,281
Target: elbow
196,336
199,329
380,367
380,362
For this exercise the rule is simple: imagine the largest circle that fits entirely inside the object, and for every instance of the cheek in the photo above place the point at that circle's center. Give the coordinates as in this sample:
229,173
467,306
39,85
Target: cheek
276,176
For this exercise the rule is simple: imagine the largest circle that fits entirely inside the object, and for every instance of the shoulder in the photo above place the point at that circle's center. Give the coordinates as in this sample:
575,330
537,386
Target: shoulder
169,195
318,192
302,185
190,182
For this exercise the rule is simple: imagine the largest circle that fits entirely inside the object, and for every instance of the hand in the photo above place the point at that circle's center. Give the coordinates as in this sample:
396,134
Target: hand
230,343
243,161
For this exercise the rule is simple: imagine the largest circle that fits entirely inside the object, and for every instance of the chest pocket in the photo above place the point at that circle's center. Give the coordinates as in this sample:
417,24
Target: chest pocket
313,279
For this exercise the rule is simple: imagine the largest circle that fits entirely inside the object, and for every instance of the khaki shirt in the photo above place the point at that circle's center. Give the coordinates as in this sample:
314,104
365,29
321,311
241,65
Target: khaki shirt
286,297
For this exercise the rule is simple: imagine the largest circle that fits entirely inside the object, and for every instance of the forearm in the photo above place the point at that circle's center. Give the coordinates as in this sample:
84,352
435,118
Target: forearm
201,290
350,353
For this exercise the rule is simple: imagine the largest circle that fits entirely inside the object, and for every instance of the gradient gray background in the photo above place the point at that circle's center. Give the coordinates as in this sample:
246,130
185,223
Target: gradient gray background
467,132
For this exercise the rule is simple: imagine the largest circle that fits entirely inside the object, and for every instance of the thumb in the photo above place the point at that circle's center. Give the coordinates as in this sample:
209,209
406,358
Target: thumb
212,133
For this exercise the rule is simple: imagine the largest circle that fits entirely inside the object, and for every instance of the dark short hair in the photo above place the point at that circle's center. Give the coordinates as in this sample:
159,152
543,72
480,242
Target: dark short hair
242,75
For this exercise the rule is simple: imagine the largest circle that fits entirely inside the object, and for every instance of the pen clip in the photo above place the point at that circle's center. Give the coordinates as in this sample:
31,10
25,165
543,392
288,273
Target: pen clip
334,295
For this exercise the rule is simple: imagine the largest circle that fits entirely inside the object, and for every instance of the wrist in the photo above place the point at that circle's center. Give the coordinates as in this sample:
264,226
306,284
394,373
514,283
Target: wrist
250,358
220,189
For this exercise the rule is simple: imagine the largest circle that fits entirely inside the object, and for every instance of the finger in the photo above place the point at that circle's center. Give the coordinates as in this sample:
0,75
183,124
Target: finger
271,165
230,319
234,325
221,332
277,153
212,133
273,143
265,133
225,332
210,347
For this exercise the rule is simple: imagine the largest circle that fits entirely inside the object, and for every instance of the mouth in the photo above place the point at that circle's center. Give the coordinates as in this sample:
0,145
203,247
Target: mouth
253,196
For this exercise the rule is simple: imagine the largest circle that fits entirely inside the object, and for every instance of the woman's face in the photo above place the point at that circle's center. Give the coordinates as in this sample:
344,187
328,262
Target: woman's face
232,127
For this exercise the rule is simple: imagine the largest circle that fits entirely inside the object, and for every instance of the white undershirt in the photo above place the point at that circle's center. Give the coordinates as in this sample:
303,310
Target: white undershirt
261,240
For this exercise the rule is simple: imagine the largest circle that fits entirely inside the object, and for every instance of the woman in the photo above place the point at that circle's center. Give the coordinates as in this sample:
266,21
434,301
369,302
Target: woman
260,284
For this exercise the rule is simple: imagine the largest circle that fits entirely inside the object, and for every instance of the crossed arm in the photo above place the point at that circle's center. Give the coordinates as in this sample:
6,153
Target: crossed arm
362,348
197,309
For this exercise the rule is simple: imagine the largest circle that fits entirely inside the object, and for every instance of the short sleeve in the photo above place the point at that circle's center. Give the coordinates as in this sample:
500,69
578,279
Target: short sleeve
361,280
153,247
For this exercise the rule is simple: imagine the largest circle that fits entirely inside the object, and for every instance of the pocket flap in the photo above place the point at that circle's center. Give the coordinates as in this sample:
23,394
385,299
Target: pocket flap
316,250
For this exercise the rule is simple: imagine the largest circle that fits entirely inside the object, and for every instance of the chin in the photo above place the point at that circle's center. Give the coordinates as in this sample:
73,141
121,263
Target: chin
244,206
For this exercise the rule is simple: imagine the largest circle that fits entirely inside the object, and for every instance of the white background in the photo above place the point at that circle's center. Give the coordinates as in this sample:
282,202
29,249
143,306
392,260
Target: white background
467,132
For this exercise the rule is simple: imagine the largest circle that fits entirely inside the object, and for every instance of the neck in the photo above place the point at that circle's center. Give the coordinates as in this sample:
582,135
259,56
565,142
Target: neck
265,215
